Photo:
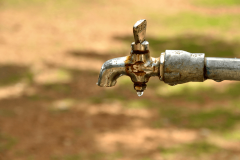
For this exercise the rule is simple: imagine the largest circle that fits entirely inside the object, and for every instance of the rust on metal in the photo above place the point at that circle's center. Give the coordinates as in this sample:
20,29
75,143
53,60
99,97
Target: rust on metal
140,52
139,66
139,87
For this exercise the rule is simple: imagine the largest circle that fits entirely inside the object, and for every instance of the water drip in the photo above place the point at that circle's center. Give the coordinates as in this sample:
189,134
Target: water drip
139,94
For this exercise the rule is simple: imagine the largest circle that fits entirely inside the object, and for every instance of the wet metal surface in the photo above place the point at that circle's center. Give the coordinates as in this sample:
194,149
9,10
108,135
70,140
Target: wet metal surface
144,46
139,66
173,66
110,71
181,67
139,31
220,69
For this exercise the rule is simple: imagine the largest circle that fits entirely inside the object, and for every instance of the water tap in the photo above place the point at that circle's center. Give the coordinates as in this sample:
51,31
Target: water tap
172,66
139,66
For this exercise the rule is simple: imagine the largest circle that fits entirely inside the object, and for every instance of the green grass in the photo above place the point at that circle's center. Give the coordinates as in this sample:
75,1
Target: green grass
50,5
108,96
95,100
216,119
7,113
233,90
194,22
230,93
231,135
146,159
201,147
195,98
11,74
236,104
186,20
196,149
38,97
89,156
6,142
216,3
198,92
139,103
31,157
117,95
168,150
50,8
67,157
61,88
24,3
190,92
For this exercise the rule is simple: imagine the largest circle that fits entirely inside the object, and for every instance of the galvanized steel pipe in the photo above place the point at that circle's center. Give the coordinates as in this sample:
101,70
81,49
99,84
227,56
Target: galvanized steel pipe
220,69
182,67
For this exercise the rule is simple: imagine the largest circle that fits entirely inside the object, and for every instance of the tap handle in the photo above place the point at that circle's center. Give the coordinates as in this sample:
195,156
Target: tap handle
139,31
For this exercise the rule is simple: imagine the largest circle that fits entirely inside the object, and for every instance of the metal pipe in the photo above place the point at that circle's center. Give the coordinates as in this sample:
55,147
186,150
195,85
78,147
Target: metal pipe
220,69
182,67
172,67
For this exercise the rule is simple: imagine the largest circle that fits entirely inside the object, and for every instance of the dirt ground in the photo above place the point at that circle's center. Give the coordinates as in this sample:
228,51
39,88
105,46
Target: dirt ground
51,108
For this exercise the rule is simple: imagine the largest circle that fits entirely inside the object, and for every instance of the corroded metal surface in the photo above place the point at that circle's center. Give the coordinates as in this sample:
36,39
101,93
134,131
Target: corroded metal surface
162,59
139,66
220,69
139,31
111,70
144,46
181,67
173,66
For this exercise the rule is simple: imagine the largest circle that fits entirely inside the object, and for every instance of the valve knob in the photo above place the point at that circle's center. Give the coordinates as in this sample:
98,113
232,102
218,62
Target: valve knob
139,31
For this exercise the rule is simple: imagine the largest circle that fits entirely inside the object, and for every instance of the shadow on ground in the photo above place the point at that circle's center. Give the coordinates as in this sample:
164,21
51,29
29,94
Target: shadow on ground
11,74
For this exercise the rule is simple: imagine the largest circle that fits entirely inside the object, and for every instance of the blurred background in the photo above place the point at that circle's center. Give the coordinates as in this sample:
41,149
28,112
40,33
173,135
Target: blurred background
51,52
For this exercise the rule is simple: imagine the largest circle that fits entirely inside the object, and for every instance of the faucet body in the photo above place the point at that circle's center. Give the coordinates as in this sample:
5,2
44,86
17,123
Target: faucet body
181,67
172,66
139,66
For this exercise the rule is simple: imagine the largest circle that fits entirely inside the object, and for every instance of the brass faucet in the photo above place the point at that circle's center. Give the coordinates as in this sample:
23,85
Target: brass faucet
139,66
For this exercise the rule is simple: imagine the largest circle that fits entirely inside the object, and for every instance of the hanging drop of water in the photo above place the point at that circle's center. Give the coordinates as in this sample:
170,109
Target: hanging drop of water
139,94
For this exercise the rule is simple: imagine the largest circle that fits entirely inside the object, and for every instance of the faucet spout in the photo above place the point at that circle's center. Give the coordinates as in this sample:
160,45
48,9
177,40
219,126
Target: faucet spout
111,70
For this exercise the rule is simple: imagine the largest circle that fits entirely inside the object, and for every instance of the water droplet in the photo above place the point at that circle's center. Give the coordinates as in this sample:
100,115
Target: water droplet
139,94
